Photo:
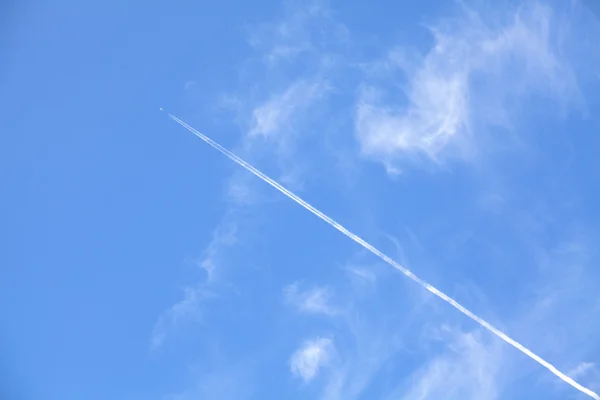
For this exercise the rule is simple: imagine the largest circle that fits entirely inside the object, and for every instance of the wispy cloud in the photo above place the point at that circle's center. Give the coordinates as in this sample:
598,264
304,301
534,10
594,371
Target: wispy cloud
287,86
467,370
369,344
224,236
311,357
186,310
279,126
314,300
581,369
462,86
362,273
307,29
275,117
189,308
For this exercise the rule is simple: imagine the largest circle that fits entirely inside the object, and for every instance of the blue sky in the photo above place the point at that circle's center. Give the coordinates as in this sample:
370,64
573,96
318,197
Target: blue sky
459,138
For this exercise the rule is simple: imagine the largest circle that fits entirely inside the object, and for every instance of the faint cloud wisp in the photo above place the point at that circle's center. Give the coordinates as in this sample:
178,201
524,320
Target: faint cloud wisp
311,301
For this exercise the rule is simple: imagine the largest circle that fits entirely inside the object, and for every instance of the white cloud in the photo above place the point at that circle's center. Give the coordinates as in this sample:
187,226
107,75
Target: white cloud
189,308
311,357
279,127
469,370
312,301
462,84
275,116
240,191
284,52
581,369
223,237
363,274
306,29
370,333
308,35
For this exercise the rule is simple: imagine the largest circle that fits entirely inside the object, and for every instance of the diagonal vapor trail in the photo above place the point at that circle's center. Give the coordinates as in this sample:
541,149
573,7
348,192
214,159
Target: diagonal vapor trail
390,261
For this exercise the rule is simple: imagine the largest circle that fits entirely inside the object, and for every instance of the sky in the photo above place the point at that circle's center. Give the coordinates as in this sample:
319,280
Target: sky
461,139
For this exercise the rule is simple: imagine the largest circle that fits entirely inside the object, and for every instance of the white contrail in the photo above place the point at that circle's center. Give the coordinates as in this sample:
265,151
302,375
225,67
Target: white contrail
391,262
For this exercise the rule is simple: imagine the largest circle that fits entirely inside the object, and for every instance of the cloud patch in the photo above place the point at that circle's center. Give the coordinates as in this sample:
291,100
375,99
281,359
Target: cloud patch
581,369
466,82
309,359
274,117
315,300
189,308
468,370
307,28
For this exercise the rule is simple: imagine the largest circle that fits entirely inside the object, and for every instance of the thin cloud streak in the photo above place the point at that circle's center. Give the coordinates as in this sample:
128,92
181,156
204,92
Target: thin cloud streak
390,261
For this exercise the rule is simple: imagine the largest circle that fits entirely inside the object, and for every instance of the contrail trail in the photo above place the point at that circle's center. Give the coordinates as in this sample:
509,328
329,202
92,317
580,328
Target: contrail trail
388,260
